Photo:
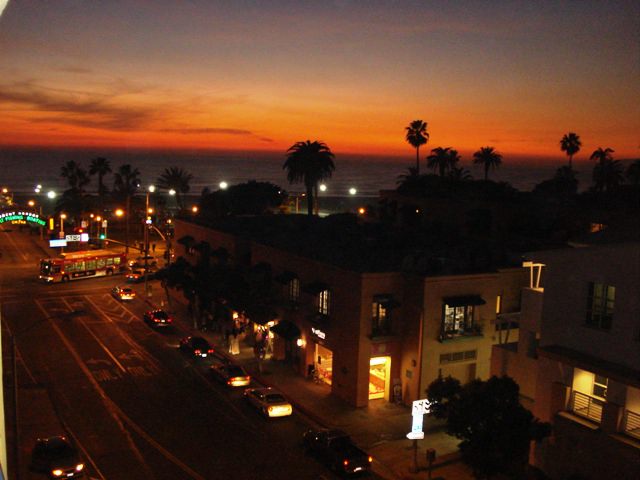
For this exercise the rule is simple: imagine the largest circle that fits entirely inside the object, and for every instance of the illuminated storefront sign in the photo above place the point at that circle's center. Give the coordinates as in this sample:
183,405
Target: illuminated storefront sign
21,218
419,409
318,333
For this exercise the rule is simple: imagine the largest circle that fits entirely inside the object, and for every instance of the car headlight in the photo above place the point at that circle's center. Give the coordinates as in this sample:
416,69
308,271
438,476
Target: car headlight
79,467
57,472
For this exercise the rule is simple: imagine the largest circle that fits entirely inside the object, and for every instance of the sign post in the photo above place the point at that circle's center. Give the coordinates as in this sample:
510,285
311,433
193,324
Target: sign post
419,409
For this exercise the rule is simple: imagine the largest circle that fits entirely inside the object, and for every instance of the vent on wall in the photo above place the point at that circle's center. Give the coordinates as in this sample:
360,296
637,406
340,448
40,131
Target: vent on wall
453,357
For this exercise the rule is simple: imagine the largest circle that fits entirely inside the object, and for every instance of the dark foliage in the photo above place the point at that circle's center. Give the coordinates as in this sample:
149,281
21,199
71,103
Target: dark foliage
251,198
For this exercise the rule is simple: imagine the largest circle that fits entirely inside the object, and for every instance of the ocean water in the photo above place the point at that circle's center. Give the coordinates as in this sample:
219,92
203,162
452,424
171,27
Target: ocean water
21,169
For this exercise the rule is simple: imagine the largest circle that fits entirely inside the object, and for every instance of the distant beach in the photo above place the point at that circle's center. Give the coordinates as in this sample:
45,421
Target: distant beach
22,169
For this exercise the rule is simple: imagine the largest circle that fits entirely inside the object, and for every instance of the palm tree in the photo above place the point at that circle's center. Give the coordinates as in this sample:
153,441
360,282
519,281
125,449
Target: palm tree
608,175
601,156
460,174
309,162
411,175
633,173
75,175
177,179
489,158
570,144
101,167
126,181
417,135
443,160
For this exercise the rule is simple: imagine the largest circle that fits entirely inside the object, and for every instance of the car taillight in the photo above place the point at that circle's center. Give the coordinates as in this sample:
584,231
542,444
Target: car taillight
210,350
370,459
345,463
270,409
156,319
79,467
197,352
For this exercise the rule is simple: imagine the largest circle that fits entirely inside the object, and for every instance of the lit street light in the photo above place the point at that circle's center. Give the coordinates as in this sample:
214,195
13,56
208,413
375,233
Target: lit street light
223,185
352,191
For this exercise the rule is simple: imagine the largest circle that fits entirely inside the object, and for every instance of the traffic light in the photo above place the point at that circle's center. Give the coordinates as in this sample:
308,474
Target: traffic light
102,236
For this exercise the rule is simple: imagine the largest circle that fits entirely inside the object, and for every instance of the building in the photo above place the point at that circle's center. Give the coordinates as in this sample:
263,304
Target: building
578,359
370,329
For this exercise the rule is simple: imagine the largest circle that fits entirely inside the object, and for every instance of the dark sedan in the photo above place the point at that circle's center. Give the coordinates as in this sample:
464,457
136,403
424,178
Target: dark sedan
57,458
196,347
158,318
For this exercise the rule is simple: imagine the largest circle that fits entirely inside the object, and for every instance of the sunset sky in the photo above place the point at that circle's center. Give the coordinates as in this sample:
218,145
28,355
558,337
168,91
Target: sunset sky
261,75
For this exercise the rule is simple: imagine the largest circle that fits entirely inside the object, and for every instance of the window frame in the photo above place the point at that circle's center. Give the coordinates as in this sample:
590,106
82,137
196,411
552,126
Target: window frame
460,327
381,316
324,302
600,306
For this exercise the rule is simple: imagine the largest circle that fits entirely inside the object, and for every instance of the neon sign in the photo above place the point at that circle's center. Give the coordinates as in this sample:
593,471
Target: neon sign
318,333
21,218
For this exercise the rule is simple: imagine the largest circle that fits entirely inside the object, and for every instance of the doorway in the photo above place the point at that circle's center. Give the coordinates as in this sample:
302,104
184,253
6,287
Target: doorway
379,374
324,363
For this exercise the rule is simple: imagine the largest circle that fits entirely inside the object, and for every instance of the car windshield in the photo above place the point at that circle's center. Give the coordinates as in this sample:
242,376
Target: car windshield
236,371
274,398
161,314
200,343
60,448
126,291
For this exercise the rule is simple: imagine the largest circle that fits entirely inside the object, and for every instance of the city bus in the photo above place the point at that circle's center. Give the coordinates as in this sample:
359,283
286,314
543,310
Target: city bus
85,264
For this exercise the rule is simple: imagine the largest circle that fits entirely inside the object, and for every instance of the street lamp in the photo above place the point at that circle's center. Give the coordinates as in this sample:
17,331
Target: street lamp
223,185
51,194
353,191
147,223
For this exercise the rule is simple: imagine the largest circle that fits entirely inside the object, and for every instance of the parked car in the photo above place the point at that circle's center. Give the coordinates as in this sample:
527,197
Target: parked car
336,450
232,375
57,458
196,346
158,318
123,293
269,401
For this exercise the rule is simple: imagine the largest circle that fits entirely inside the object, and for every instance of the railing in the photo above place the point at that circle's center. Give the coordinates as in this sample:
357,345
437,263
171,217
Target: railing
631,423
586,406
474,330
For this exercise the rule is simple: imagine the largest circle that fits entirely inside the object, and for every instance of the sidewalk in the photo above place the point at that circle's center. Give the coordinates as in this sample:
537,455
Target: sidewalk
379,428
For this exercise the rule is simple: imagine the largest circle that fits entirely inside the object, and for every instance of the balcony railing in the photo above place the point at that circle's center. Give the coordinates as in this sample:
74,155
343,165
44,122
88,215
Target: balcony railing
631,423
474,330
586,406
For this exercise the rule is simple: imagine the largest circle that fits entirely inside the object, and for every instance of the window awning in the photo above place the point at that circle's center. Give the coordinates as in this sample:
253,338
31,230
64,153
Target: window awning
463,300
287,330
315,288
285,277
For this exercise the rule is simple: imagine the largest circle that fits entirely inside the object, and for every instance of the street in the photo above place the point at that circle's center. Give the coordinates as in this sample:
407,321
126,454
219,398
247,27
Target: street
136,407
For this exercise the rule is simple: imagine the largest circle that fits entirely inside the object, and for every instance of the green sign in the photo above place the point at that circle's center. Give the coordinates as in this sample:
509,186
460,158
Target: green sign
18,217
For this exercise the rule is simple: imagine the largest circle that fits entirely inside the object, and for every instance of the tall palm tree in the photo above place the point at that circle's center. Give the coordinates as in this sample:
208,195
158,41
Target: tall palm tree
608,175
100,166
443,160
310,163
570,144
633,173
602,156
178,179
489,158
126,181
75,175
416,136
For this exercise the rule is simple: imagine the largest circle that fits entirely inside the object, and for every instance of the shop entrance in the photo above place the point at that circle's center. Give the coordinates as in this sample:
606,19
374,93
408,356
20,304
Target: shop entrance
324,363
379,374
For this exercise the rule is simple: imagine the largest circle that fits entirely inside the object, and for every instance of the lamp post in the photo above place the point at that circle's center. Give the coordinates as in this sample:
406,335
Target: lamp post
61,233
147,223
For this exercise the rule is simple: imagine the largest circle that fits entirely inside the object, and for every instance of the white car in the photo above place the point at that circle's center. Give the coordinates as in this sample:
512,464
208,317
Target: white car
269,401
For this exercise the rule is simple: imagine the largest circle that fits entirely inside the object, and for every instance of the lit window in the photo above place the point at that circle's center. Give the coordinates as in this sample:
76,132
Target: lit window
324,298
600,384
499,304
458,321
600,305
294,290
381,317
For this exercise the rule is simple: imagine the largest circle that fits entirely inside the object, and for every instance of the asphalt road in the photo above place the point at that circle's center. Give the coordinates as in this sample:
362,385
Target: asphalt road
135,405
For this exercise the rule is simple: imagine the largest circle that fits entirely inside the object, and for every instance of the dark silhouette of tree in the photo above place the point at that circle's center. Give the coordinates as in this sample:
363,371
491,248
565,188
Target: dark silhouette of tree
411,175
310,163
251,198
126,181
460,174
76,176
608,175
633,173
73,200
443,160
100,166
495,429
416,136
488,158
442,393
601,155
570,144
177,179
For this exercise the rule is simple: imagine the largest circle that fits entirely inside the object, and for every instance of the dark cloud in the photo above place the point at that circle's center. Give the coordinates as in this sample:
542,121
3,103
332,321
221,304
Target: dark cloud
75,108
205,131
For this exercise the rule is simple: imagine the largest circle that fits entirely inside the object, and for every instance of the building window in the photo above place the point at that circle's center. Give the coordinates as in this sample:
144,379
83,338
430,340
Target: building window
498,304
381,318
294,290
600,386
458,321
600,305
454,357
324,302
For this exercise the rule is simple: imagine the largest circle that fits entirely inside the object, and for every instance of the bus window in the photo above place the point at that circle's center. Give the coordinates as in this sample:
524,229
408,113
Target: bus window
101,263
56,269
109,261
91,265
116,260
